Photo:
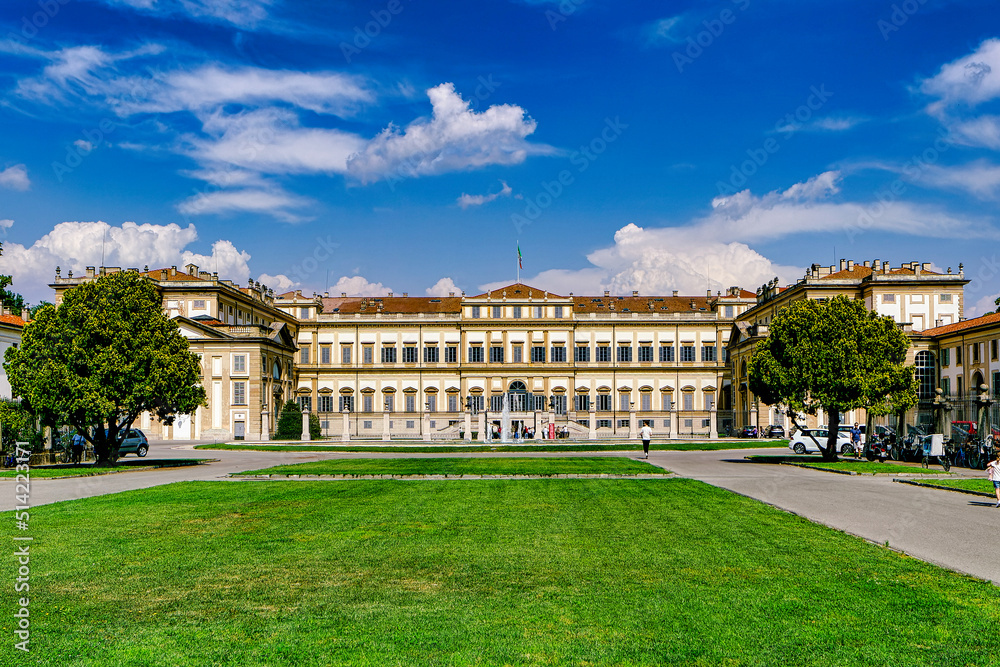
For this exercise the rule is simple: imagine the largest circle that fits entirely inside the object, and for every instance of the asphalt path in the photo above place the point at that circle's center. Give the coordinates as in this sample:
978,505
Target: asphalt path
957,531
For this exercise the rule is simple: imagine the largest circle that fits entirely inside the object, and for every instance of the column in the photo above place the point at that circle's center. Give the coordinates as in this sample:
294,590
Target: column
481,425
385,424
538,424
673,419
713,417
265,425
305,425
468,426
592,421
426,425
633,433
345,432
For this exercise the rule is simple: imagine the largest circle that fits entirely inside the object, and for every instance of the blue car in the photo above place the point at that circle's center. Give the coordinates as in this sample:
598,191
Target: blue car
135,442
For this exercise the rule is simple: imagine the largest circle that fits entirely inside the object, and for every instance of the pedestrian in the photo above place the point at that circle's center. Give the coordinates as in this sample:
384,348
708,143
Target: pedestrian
856,440
77,444
993,473
646,434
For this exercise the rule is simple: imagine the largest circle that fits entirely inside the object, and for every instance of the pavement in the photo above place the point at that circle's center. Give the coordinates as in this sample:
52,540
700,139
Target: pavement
957,531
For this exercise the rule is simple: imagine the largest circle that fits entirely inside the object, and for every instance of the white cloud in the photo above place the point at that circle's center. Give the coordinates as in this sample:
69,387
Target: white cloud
443,287
824,124
358,286
455,138
279,283
984,305
465,201
73,246
271,201
663,31
84,146
980,178
240,13
962,85
15,178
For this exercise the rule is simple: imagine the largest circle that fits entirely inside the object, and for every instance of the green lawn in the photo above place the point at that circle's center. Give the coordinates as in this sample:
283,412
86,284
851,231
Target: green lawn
982,485
467,466
541,572
851,465
440,449
88,469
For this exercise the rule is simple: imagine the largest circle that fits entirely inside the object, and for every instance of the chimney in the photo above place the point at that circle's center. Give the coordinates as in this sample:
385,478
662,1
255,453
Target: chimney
343,294
607,293
917,268
938,323
675,293
885,266
843,264
451,294
192,269
927,266
90,271
868,264
877,265
850,265
25,314
635,292
390,293
692,304
298,293
406,294
708,293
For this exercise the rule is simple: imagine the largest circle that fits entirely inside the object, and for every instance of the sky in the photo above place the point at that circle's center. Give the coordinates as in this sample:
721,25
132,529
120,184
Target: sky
413,146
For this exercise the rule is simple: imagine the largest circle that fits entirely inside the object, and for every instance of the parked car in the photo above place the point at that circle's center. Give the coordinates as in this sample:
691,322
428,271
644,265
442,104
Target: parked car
135,442
803,441
775,431
747,432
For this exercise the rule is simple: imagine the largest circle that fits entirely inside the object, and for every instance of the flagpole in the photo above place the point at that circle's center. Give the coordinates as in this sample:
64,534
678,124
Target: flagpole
517,247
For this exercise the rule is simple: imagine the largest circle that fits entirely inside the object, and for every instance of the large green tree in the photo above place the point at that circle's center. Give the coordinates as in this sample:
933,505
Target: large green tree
103,357
835,355
10,299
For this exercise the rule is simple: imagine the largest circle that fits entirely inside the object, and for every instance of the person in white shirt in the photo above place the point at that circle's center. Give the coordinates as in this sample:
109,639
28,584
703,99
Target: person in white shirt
646,434
993,473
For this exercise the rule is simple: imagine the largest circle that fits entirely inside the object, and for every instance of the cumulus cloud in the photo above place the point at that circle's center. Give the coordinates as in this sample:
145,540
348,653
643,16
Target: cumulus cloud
984,305
15,178
73,246
455,138
465,201
279,283
959,88
443,287
358,286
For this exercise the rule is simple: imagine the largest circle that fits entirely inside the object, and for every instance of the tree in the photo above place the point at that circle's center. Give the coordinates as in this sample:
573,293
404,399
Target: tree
290,422
102,358
835,355
33,310
10,299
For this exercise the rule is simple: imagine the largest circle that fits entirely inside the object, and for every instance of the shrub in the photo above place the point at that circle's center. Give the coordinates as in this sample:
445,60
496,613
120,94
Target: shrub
290,422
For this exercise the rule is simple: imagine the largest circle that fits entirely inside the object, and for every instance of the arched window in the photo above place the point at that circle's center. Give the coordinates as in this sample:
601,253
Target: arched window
926,376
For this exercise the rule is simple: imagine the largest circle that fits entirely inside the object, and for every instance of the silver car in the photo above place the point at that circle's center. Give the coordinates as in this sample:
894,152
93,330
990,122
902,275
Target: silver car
805,441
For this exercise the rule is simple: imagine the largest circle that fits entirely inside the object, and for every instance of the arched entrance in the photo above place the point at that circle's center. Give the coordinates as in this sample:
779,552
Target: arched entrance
518,392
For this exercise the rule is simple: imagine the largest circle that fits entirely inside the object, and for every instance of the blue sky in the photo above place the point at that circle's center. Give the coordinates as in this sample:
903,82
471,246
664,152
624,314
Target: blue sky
407,145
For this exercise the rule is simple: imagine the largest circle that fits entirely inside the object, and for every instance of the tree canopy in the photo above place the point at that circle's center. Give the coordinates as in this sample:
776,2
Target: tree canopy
8,298
835,355
103,357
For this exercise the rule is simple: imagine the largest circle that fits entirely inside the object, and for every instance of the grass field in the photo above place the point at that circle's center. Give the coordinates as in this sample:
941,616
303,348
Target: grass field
467,466
981,485
851,465
541,572
463,449
89,470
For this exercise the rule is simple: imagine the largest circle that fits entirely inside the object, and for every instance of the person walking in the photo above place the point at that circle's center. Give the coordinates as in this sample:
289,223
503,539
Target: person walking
78,443
993,474
646,434
856,440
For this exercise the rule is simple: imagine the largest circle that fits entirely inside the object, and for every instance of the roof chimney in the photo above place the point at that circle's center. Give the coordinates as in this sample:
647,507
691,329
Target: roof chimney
173,270
868,264
850,265
843,264
885,266
25,314
406,294
451,294
343,294
390,293
708,293
192,269
90,271
635,292
607,293
675,293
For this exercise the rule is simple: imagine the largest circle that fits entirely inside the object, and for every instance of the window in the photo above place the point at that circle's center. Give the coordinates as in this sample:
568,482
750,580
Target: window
996,383
410,402
345,354
389,403
624,353
622,423
367,354
496,354
624,402
517,312
603,353
304,354
645,353
993,349
239,393
537,354
536,312
888,298
366,423
305,403
581,402
925,373
958,355
604,402
666,423
388,355
496,403
975,353
946,386
475,354
409,354
366,403
431,354
451,355
326,404
687,353
708,353
709,401
559,312
603,423
581,353
666,353
410,423
324,354
945,298
517,354
345,403
946,356
538,402
725,354
558,353
646,401
304,313
198,304
560,403
688,401
476,312
432,403
583,422
497,312
729,312
452,402
239,364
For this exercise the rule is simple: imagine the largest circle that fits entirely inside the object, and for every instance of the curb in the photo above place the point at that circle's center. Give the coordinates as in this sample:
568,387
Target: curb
119,472
946,488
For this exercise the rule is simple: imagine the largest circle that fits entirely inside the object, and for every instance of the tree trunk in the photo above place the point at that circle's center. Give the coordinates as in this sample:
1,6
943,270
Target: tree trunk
830,452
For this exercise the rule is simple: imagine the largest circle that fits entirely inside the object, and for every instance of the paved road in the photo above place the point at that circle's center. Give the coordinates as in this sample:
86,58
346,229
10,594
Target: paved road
958,531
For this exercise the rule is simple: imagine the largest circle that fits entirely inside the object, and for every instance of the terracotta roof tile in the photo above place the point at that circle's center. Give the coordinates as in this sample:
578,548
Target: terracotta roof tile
12,320
856,273
393,304
179,276
518,291
641,304
991,318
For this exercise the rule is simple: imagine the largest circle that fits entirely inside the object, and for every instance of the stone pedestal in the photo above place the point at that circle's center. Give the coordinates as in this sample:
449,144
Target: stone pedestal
713,434
481,426
633,432
345,429
593,422
305,425
426,426
673,423
385,426
538,424
552,420
468,426
265,426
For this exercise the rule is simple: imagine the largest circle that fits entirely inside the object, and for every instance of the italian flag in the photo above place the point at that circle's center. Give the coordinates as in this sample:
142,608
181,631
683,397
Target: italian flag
519,265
